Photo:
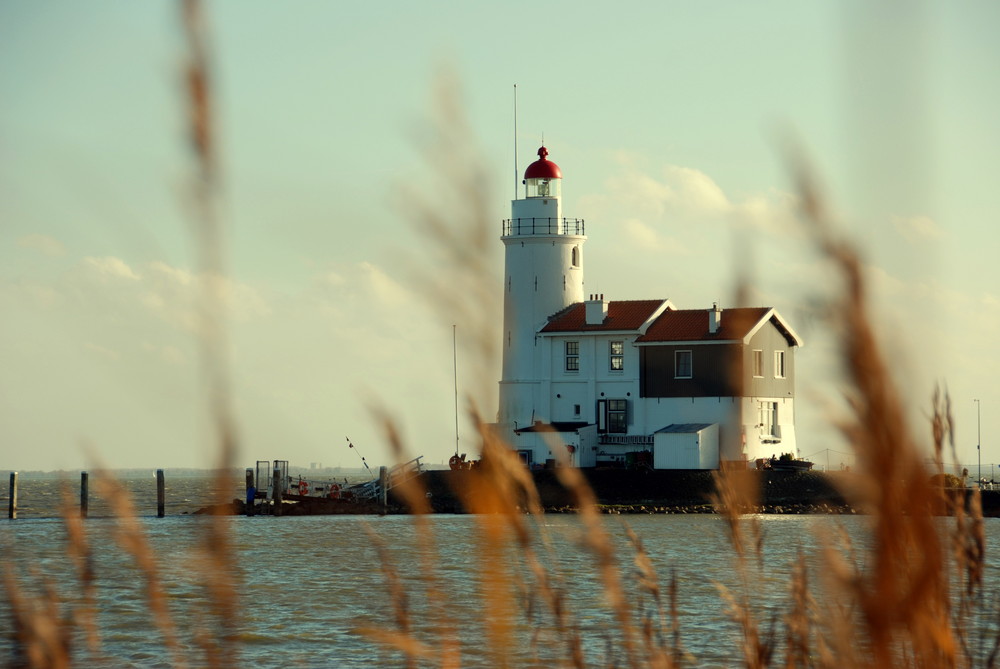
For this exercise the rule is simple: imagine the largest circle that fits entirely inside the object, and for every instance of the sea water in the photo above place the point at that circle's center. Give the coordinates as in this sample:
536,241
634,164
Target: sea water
312,587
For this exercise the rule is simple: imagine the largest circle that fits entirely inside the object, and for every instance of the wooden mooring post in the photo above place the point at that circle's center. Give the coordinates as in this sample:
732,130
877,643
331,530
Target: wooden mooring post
84,494
383,485
251,493
12,507
278,490
161,493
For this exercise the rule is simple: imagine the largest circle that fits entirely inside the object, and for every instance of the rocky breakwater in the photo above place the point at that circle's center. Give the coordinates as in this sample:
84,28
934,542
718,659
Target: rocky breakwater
660,491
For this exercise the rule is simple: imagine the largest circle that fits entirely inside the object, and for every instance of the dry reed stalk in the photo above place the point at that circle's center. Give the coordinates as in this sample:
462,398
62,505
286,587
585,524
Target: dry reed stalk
41,637
402,638
492,493
414,494
504,486
496,492
79,551
675,621
902,595
216,562
458,222
737,493
129,535
657,652
598,541
799,620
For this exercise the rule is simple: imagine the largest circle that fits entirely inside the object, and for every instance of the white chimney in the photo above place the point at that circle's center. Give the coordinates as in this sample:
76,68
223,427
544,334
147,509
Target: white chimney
714,318
597,309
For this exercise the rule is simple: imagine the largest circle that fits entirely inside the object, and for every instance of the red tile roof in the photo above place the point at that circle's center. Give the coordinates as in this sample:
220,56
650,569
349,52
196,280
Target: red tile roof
622,315
692,325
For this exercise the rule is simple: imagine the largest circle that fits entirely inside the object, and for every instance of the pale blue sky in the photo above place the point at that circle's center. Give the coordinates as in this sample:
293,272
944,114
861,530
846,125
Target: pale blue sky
666,118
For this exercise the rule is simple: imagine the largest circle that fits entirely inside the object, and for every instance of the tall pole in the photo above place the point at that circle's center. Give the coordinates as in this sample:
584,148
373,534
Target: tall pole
515,141
454,353
979,437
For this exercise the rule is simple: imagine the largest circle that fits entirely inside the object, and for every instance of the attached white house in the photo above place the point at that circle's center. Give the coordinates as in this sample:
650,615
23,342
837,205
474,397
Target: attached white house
620,383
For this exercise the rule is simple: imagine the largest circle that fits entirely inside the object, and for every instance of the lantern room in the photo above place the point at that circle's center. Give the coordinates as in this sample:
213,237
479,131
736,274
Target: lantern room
543,177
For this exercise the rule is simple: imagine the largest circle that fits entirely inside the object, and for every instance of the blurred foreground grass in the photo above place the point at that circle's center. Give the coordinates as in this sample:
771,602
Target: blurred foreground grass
907,597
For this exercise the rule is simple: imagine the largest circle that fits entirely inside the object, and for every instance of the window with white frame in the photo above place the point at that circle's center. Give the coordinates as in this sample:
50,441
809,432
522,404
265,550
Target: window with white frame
779,364
572,356
616,353
758,363
682,365
769,419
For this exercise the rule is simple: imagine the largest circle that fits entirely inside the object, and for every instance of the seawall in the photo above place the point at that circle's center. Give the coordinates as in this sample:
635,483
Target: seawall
663,491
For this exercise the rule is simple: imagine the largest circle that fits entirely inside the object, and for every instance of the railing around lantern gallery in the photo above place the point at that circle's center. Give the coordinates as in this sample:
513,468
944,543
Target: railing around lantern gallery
542,226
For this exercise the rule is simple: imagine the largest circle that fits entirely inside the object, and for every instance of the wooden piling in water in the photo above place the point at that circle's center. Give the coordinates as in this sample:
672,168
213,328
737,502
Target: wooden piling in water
84,494
278,488
250,498
12,507
161,494
383,484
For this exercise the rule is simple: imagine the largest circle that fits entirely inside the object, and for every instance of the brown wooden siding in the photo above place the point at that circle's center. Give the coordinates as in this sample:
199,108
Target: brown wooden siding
715,371
719,370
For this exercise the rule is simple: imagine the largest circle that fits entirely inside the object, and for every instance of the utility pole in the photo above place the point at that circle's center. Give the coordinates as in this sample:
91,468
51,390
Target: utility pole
979,437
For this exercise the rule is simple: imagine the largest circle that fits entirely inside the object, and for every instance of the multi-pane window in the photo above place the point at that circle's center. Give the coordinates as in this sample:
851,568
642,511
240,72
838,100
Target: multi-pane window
779,364
758,362
618,416
617,356
682,365
572,356
769,419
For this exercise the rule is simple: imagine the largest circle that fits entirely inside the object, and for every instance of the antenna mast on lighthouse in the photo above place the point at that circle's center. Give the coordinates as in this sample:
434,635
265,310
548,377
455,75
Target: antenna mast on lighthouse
515,141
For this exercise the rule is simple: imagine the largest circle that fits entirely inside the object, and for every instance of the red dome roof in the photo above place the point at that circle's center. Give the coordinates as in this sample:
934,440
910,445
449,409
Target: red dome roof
542,168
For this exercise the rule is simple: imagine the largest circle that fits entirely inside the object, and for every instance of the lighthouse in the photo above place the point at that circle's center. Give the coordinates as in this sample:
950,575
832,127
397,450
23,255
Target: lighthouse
543,274
636,384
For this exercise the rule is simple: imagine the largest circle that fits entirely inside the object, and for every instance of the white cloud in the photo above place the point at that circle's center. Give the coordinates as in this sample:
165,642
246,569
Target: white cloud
695,191
684,196
651,239
333,278
166,353
387,290
172,274
110,266
102,351
774,211
49,246
917,228
173,294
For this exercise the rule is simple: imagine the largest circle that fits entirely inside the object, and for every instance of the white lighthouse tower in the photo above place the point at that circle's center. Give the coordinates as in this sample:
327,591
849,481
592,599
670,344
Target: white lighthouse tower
543,274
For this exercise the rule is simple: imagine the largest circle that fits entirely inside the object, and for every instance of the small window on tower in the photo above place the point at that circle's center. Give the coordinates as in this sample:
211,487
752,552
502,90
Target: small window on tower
576,256
572,356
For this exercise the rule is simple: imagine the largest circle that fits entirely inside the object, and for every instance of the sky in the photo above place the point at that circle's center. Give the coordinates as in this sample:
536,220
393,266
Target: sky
672,122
